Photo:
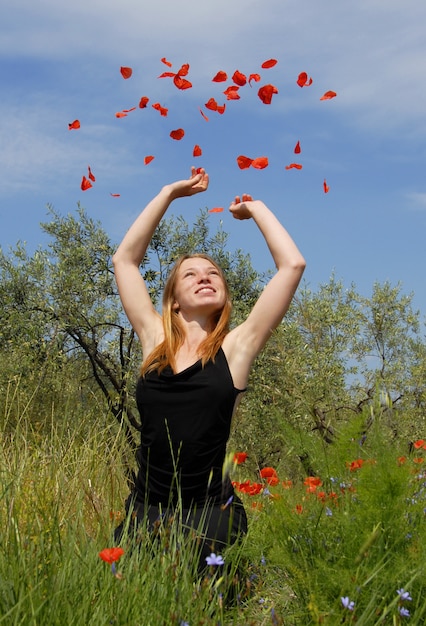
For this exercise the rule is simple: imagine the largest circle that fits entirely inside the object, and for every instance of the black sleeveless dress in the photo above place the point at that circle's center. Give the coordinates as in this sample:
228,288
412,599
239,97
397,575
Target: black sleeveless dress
186,422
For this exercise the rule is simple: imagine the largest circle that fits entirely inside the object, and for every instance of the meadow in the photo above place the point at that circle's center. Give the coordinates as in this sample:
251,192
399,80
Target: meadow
340,545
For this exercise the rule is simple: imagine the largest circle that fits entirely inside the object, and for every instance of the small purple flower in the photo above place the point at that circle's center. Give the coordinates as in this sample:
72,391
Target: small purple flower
404,612
214,559
348,604
404,595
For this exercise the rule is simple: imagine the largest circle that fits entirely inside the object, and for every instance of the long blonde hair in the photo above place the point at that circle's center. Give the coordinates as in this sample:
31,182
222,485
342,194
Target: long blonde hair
174,333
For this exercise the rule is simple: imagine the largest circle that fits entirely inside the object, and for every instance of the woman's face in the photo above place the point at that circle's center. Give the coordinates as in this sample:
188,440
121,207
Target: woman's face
199,287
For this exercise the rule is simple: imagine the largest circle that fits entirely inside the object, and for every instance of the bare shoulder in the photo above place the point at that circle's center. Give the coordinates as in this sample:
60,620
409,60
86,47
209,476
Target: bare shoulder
239,355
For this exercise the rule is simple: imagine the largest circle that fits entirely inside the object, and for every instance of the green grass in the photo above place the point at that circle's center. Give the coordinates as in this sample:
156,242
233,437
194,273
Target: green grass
359,534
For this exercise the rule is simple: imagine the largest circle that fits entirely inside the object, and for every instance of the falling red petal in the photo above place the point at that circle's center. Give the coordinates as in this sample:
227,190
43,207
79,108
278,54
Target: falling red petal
266,92
244,162
270,63
166,62
204,115
162,110
143,102
90,174
297,148
231,92
220,77
217,209
239,78
328,95
167,75
115,195
129,110
126,72
197,151
75,125
326,187
148,159
177,134
121,114
294,166
260,163
303,80
182,83
85,184
184,69
255,77
221,108
211,105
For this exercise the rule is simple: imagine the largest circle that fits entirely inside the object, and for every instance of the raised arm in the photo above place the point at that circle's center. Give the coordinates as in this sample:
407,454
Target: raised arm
246,341
130,253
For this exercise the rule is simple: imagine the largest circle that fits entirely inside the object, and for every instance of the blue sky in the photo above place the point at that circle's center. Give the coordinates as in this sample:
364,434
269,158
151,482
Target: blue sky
61,62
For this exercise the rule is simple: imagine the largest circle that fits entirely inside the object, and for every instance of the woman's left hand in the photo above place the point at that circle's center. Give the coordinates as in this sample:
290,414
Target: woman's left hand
241,207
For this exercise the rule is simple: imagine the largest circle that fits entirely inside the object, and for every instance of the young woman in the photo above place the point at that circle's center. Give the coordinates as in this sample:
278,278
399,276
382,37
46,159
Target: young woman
194,368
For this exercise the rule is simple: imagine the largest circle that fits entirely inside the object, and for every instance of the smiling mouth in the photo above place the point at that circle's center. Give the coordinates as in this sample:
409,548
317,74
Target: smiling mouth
205,290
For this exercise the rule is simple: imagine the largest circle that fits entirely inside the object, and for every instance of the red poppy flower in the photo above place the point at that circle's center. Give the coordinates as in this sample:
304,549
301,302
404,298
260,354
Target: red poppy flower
299,509
240,457
270,63
148,159
267,472
177,134
197,151
220,77
266,92
355,465
143,102
75,125
420,443
312,482
239,78
328,95
110,555
295,166
126,72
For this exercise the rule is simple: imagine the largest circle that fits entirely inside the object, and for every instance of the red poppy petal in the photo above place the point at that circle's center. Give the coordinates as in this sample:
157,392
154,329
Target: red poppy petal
167,75
255,77
177,134
115,195
121,114
182,83
129,110
143,102
297,148
162,110
148,159
204,115
126,72
197,151
231,92
184,70
328,95
239,78
270,63
295,166
110,555
85,184
260,163
166,62
211,105
75,125
244,162
216,210
325,186
303,80
91,175
221,109
220,77
266,92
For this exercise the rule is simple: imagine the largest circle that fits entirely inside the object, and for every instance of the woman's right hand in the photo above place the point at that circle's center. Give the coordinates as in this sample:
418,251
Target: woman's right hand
195,184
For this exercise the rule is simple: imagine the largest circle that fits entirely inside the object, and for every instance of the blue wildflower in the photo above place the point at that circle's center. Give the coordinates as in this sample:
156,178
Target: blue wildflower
328,511
348,604
404,612
214,559
404,595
